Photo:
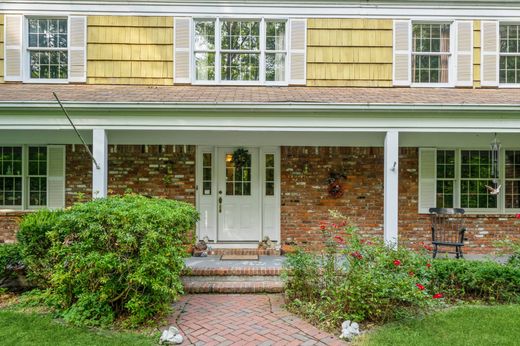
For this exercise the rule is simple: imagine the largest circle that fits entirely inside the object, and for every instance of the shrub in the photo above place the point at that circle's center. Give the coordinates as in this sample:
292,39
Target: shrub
35,245
481,280
10,261
357,279
114,258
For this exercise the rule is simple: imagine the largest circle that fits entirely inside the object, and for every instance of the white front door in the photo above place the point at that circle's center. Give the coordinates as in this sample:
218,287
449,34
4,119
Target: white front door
238,195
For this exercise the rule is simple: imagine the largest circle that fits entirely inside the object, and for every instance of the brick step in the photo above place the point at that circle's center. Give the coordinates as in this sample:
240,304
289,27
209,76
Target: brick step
244,251
233,271
232,284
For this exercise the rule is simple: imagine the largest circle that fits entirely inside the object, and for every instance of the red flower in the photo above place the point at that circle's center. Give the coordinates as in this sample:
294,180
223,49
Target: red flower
339,239
428,247
397,263
518,216
322,226
356,255
420,287
428,265
411,273
343,223
437,295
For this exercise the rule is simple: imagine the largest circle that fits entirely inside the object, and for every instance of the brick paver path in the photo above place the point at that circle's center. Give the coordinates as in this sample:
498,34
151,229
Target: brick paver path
243,319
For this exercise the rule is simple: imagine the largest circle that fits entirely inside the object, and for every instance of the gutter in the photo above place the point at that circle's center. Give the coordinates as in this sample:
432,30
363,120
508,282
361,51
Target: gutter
255,107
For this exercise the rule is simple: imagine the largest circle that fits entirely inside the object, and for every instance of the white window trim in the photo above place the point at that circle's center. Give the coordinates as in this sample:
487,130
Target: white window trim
26,68
451,55
25,180
501,209
500,54
218,78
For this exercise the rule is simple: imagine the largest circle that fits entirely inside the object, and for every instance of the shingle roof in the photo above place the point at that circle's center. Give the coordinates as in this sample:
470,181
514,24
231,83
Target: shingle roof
18,93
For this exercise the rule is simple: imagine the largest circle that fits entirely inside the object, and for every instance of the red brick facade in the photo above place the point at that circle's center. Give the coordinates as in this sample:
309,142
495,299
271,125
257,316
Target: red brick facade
167,172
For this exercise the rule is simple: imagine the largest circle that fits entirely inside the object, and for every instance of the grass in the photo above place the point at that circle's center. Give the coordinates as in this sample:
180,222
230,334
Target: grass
18,328
464,325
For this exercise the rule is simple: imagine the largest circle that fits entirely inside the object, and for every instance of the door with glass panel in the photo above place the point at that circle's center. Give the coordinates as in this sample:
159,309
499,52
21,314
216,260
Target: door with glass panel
238,195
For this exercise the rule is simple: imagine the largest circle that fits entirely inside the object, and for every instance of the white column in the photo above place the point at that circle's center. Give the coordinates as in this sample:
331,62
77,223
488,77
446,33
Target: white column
100,173
391,192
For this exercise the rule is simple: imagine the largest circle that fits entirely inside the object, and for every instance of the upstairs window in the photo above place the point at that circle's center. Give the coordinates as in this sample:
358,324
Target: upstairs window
47,48
240,51
509,71
430,53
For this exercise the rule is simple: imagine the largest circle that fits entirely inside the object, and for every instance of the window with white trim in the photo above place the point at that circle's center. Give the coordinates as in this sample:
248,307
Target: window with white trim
240,51
23,177
463,177
509,68
47,48
431,53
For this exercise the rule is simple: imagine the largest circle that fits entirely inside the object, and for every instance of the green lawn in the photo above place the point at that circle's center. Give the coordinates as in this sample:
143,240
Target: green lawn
465,325
22,329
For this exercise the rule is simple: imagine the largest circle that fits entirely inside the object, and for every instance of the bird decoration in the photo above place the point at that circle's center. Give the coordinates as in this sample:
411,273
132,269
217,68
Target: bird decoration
493,190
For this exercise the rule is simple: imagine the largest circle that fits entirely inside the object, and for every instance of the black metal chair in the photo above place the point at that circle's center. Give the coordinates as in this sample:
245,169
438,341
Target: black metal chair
448,229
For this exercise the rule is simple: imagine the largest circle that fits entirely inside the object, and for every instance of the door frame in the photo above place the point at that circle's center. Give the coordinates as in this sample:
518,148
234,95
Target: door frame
270,209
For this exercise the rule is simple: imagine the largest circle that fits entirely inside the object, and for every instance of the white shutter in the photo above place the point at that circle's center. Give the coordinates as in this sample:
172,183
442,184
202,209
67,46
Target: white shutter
402,67
427,179
297,49
182,50
13,48
77,49
489,59
464,53
56,176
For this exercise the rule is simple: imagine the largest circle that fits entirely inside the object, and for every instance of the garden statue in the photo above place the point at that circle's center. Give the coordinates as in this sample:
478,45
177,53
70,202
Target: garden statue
349,330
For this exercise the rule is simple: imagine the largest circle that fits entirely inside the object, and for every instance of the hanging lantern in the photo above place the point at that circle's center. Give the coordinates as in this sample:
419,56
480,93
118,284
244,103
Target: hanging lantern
495,154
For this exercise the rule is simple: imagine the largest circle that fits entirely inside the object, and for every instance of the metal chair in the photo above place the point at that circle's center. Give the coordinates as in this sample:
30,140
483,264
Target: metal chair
448,229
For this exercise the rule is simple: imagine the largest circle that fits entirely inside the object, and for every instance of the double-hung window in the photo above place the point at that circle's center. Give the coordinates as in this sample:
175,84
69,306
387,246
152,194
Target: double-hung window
239,51
23,177
431,53
463,178
509,70
47,48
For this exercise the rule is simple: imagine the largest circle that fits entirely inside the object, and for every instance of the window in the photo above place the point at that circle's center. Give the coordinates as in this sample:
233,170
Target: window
512,179
269,174
206,173
462,177
19,189
243,51
47,48
238,178
509,53
430,53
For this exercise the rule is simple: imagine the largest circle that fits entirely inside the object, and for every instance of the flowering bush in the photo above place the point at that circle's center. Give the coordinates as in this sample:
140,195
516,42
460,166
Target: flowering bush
361,279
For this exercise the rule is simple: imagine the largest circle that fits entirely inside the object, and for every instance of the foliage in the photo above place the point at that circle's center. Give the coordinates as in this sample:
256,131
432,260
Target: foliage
10,260
18,328
35,244
462,325
481,280
114,258
361,279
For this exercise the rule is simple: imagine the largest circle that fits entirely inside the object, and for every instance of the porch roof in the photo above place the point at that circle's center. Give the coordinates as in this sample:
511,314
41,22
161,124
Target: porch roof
229,96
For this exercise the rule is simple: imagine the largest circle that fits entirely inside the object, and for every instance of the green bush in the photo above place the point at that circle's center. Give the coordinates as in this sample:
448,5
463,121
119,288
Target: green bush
35,245
10,261
113,258
477,280
357,279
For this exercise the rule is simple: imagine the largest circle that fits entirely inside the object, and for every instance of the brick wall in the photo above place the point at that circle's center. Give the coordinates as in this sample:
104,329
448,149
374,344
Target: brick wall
305,199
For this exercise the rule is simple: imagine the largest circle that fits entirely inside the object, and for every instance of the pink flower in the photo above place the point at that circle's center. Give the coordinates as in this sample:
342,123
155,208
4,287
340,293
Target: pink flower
517,216
339,239
420,287
437,295
397,263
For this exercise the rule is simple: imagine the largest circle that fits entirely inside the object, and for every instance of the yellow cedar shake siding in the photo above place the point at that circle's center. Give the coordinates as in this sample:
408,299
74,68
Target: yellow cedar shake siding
476,54
349,52
1,48
130,50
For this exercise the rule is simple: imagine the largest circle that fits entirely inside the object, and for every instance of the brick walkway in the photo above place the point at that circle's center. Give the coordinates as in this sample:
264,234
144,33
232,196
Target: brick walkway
243,319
